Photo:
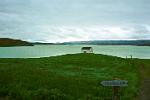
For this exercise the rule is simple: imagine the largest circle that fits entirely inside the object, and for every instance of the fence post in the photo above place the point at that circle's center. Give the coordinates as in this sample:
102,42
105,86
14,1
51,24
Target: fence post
131,56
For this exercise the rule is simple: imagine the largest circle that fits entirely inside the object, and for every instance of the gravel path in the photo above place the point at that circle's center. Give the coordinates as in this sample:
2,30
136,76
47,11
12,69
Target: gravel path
145,84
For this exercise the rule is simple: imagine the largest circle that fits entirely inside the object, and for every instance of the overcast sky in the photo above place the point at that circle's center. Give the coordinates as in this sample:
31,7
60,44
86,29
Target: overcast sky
74,20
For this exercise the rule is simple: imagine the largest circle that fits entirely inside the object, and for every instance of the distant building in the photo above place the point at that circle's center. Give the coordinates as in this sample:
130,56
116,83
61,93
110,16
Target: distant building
87,50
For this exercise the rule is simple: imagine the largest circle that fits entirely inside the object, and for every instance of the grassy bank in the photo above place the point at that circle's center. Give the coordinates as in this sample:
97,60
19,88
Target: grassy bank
68,77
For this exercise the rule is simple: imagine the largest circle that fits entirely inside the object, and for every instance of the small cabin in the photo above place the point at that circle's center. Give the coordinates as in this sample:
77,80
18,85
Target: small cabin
87,50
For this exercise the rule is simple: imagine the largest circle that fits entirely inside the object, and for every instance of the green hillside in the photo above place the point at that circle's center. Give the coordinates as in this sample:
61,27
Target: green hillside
67,77
6,42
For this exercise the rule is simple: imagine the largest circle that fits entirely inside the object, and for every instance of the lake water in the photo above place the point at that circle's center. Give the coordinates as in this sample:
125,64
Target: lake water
54,50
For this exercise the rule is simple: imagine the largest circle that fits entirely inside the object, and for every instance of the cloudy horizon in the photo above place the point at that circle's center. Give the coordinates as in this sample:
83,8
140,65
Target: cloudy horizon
74,20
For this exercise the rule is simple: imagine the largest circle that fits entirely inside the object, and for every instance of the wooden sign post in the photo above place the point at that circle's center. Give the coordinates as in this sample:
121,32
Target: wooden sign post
116,93
115,84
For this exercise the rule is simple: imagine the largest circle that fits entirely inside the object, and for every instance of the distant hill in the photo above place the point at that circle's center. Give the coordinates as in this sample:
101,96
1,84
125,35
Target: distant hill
39,43
111,42
7,42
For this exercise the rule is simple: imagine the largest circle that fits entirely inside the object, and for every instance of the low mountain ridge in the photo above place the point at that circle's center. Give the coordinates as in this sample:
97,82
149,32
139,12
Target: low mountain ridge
7,42
112,42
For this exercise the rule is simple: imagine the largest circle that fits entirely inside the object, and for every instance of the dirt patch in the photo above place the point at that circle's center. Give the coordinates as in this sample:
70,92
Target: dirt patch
145,83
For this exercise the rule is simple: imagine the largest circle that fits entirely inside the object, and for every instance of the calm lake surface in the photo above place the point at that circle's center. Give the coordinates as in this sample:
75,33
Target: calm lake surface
54,50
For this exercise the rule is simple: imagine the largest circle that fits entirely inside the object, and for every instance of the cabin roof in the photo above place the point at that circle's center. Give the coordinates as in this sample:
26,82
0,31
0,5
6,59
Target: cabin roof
86,48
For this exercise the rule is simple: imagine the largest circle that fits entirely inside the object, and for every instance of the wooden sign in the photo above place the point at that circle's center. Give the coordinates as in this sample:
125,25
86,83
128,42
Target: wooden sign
120,83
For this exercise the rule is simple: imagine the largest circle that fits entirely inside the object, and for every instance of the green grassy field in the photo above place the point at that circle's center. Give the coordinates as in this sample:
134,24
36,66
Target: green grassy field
67,77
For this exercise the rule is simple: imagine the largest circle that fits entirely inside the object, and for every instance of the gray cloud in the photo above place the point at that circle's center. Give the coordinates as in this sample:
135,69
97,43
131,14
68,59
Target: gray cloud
66,20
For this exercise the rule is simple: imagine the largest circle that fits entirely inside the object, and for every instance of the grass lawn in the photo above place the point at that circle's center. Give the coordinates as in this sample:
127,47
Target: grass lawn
68,77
